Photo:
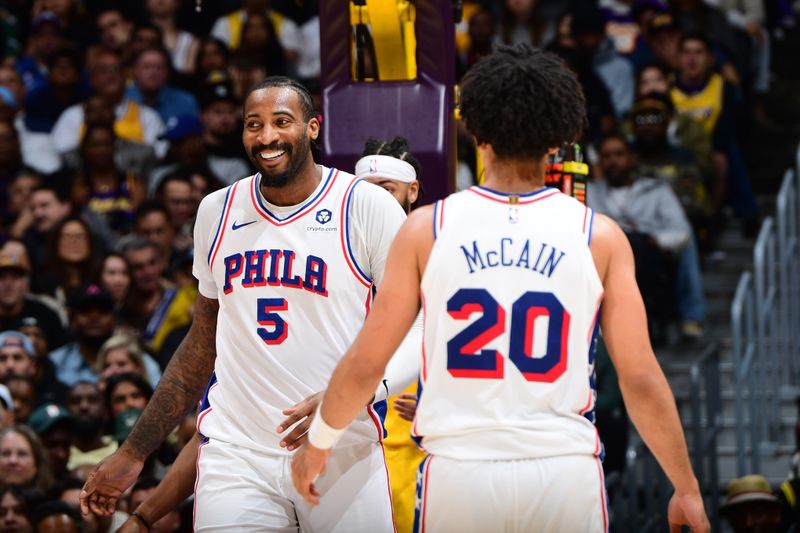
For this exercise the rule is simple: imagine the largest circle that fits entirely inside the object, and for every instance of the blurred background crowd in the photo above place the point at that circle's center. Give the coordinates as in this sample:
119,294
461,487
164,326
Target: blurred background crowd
118,117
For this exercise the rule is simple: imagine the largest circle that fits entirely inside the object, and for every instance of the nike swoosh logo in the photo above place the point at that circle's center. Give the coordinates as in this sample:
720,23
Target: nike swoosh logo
235,226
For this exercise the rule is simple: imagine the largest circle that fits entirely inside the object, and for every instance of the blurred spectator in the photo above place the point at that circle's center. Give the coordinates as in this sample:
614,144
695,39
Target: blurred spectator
588,30
12,80
48,389
126,391
14,301
10,161
6,407
176,193
697,16
101,187
260,45
72,17
9,44
90,444
171,522
654,221
154,306
683,131
229,28
19,216
16,507
151,76
481,38
751,506
60,90
153,223
620,24
23,394
116,31
23,459
53,423
130,157
522,22
46,37
213,55
704,96
71,259
114,276
651,117
186,147
660,44
204,182
122,354
133,121
599,109
145,36
57,517
92,321
181,44
221,118
244,74
17,355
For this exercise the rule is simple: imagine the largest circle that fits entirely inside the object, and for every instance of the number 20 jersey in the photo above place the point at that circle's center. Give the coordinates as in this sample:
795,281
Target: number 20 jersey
511,299
294,285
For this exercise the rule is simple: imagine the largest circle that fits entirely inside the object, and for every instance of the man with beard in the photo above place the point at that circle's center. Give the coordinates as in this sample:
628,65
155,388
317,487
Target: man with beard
154,306
312,242
660,235
90,444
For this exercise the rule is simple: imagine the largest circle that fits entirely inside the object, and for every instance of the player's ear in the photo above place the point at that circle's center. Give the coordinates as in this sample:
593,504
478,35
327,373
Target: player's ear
312,128
413,192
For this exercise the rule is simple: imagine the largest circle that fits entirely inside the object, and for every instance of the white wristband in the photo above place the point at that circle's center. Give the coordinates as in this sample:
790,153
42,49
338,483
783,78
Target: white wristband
320,434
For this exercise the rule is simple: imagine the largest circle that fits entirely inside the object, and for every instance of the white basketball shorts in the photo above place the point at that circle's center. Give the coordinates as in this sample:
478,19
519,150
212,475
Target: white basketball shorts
238,489
564,494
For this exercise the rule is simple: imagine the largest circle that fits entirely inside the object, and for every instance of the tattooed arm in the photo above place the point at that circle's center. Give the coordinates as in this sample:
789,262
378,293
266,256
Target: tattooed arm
178,391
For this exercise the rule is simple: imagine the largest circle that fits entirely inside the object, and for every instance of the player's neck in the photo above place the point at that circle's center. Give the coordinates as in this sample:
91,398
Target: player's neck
514,176
298,189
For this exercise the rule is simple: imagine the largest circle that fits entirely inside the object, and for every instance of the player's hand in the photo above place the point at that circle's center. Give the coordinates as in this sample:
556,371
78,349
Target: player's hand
687,510
307,465
302,412
109,479
406,406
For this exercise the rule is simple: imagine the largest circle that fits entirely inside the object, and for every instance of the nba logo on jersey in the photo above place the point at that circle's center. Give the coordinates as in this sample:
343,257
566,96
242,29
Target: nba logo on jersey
324,216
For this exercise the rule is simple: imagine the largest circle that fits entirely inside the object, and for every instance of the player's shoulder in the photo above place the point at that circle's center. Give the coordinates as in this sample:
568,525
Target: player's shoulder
213,202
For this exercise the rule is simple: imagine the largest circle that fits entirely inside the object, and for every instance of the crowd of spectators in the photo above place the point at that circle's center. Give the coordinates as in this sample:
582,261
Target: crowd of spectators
116,118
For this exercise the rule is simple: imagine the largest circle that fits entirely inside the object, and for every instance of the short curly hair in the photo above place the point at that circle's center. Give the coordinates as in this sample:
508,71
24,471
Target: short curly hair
522,102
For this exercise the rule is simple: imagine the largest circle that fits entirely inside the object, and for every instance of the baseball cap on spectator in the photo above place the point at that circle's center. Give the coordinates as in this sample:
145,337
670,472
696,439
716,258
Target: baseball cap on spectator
660,22
748,489
45,17
13,259
180,127
652,102
90,295
47,416
216,92
124,422
11,338
6,399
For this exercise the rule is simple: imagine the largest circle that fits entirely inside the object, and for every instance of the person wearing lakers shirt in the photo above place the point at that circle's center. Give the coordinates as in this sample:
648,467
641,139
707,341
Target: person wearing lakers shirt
701,94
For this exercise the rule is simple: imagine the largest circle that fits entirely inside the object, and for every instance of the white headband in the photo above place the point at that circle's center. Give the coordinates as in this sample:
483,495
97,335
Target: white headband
385,166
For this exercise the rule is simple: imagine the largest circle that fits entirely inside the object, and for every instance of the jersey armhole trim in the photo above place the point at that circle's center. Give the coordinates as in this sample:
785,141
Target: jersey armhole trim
438,218
588,216
223,217
349,257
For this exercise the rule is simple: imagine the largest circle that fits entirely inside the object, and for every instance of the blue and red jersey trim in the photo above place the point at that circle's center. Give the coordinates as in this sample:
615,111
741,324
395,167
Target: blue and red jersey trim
223,221
345,236
438,218
588,216
307,207
502,197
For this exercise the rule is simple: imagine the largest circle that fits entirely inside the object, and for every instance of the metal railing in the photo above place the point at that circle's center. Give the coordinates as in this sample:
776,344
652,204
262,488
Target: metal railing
765,324
705,400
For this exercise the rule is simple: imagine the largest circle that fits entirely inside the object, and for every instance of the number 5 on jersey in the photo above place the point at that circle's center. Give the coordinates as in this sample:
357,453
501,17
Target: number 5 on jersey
466,357
275,329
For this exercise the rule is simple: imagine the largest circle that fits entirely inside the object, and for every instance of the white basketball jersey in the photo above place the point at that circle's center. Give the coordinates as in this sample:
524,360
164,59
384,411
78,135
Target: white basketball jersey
511,297
294,285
